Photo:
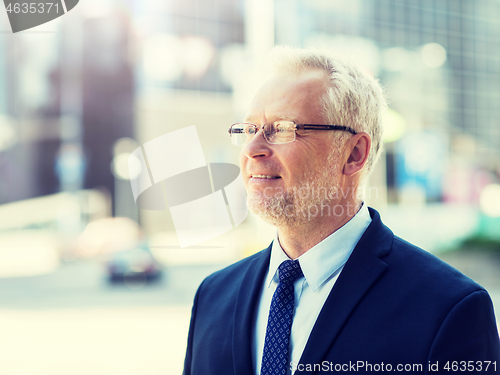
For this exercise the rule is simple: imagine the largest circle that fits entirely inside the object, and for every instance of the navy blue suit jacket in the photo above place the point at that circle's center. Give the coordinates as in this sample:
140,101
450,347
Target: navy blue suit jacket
393,304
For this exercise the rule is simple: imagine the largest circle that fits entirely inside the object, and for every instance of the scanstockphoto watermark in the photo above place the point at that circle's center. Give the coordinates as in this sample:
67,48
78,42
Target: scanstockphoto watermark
309,191
364,366
327,366
321,209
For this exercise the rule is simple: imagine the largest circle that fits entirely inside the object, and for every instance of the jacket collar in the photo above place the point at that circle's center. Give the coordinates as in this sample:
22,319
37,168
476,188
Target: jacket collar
362,269
244,316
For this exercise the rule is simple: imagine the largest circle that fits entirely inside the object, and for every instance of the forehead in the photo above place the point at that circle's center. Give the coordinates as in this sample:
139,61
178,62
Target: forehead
289,97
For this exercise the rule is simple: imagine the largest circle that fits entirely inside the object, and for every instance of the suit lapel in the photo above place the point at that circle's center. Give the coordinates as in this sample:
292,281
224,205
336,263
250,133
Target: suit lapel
248,296
361,270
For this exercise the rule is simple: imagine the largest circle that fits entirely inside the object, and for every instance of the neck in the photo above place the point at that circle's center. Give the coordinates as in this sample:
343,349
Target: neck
297,239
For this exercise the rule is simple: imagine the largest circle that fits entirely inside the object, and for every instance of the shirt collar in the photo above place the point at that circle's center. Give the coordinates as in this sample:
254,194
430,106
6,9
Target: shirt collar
325,258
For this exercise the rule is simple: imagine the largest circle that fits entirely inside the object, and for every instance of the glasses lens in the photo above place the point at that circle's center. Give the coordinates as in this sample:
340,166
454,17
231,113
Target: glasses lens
280,132
276,133
240,133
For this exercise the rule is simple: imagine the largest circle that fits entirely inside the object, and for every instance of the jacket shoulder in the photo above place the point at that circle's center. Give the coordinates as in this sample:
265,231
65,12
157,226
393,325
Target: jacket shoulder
233,273
428,271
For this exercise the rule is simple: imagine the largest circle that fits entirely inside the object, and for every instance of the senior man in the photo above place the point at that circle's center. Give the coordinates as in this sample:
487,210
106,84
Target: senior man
336,291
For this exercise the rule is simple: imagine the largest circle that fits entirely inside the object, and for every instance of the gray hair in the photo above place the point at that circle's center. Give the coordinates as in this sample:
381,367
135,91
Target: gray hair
352,97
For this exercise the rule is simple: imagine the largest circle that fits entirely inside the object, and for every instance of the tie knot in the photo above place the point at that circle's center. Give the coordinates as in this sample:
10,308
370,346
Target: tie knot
289,271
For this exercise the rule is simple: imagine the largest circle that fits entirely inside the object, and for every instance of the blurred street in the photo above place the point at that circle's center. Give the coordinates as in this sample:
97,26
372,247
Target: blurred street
74,321
84,285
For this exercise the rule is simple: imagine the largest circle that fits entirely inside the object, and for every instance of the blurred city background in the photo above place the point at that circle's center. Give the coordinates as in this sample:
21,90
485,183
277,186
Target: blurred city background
79,94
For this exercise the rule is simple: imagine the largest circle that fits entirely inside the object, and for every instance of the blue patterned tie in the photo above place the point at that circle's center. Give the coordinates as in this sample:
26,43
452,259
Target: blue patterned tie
279,324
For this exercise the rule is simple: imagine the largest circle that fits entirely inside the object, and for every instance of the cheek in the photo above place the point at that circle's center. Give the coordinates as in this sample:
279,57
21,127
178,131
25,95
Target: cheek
313,161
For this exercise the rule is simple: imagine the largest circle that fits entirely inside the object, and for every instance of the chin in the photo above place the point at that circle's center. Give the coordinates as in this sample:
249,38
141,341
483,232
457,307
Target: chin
273,211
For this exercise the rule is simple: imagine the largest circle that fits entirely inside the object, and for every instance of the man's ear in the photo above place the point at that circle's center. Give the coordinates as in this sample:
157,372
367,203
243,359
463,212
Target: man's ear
360,145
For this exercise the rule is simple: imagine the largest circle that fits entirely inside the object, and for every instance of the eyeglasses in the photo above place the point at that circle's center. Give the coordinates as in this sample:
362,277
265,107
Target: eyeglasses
276,133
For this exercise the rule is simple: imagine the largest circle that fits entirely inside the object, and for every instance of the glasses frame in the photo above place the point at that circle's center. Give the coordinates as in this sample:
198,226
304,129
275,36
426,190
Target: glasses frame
297,127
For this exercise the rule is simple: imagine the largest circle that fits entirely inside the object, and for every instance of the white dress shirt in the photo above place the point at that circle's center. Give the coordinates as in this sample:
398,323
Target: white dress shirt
321,266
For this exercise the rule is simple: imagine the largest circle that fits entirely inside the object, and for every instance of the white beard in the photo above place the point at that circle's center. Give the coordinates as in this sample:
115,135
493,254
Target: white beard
297,205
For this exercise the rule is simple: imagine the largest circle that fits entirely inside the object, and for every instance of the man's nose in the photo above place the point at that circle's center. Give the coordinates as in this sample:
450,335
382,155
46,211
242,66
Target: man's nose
257,146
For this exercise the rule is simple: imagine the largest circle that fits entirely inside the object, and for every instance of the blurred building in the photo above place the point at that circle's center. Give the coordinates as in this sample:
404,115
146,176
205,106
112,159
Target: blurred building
181,80
182,40
439,61
67,96
27,138
141,69
108,94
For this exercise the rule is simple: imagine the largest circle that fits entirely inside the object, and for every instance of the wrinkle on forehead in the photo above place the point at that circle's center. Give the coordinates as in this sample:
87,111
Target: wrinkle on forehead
273,101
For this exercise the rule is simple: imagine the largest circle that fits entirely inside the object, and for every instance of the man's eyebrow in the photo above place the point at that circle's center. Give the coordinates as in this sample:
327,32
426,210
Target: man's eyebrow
285,116
279,117
289,118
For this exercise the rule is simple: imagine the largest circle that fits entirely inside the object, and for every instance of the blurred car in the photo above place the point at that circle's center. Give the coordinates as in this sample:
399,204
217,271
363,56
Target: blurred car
134,264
